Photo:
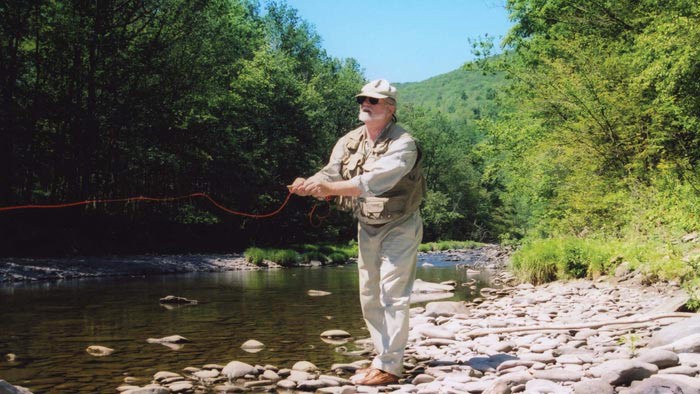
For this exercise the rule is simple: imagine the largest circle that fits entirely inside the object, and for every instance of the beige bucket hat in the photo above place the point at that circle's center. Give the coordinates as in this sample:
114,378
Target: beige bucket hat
379,88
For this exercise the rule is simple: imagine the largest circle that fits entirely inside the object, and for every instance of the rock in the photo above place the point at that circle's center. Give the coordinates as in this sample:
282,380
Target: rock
675,331
162,375
99,351
300,376
659,357
675,384
7,388
228,388
542,386
304,366
252,345
286,384
431,331
207,374
270,375
312,385
622,372
237,369
169,339
446,308
689,359
181,387
334,334
558,375
422,378
171,299
338,390
420,286
688,344
318,293
148,390
593,386
680,370
505,383
123,388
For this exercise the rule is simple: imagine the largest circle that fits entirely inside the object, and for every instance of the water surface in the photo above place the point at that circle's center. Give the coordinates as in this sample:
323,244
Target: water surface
49,325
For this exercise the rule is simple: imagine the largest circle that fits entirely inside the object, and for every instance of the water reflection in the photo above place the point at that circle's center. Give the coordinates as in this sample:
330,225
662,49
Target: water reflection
48,326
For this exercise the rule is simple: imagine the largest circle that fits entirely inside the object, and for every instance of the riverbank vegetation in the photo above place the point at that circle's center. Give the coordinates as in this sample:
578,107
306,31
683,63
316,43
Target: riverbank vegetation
333,254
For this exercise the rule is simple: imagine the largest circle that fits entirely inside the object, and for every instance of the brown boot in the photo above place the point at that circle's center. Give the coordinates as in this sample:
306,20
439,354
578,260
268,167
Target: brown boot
377,377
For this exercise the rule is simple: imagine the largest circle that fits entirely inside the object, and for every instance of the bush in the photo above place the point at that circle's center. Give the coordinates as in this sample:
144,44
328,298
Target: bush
338,257
536,261
312,255
255,255
284,257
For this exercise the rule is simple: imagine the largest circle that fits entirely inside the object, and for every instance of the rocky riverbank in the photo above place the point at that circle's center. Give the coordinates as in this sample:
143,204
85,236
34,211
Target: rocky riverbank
29,270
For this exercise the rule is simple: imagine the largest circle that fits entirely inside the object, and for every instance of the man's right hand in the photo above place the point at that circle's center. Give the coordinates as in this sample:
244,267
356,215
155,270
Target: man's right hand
297,187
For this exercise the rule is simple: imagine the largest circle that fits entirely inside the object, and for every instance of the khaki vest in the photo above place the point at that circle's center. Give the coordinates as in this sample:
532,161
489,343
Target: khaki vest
402,199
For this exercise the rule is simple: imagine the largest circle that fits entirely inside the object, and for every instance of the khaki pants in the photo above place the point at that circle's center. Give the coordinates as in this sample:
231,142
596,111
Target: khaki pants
387,268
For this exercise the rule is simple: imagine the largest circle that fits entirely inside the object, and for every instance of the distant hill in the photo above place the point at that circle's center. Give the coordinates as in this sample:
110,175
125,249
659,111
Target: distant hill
461,95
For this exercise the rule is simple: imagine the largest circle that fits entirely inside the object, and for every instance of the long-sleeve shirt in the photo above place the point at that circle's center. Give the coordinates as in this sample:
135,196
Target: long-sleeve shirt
380,175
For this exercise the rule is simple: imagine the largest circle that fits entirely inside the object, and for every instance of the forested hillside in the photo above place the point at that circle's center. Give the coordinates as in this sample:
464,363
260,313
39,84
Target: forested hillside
462,95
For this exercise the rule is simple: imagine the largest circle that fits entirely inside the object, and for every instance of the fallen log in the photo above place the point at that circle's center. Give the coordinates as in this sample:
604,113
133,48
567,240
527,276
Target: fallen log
639,320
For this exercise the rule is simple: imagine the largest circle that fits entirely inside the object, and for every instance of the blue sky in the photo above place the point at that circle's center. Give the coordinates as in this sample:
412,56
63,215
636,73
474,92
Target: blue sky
404,40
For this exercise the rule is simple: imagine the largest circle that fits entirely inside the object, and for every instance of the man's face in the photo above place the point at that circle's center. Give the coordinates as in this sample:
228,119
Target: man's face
379,112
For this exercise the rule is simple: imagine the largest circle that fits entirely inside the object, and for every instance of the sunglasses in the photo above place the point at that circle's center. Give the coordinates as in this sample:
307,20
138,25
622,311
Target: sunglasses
361,99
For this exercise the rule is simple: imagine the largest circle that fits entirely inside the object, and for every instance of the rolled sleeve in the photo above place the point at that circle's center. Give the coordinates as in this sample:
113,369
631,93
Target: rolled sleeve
388,170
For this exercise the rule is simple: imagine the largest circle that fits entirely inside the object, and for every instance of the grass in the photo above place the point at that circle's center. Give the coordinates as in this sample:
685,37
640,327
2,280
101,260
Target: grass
447,245
544,260
306,253
335,254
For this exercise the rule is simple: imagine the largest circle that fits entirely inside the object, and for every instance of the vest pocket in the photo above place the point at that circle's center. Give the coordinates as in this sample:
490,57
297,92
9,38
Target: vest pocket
380,210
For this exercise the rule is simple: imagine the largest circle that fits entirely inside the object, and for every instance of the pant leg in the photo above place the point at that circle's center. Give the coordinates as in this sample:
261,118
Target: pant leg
368,267
386,302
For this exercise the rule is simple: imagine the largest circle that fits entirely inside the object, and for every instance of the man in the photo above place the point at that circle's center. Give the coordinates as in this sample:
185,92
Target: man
375,171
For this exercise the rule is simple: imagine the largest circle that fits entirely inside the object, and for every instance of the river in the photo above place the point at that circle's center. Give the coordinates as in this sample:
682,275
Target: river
48,325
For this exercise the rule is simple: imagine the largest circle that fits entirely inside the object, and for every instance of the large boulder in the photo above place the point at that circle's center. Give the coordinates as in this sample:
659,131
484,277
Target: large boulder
622,372
672,384
676,331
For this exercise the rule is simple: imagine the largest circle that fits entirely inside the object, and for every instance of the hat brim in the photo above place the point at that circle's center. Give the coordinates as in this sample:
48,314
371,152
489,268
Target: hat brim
373,94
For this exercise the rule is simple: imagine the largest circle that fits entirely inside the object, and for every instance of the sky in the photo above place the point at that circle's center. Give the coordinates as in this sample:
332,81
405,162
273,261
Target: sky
404,40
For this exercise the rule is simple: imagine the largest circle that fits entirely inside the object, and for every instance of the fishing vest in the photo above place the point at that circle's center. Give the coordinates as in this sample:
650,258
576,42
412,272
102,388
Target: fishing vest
402,199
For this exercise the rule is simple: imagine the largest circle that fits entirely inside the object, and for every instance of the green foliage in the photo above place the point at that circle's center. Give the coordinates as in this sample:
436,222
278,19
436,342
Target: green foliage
307,257
338,257
447,245
166,98
544,260
598,137
462,96
444,114
692,287
255,255
283,257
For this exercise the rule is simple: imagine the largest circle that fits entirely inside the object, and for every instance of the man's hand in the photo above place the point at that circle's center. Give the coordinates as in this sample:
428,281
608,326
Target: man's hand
297,187
321,190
